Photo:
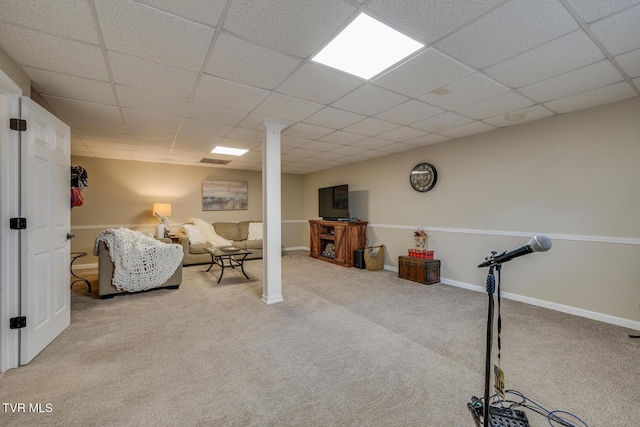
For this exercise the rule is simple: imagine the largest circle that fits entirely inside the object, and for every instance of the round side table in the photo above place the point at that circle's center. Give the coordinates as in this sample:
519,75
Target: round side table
75,256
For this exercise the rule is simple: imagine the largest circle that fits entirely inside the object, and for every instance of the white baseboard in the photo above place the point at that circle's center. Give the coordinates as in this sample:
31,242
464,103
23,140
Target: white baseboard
626,323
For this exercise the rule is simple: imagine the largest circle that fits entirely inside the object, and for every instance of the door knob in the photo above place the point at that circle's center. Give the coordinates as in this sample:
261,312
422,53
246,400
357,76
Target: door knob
70,236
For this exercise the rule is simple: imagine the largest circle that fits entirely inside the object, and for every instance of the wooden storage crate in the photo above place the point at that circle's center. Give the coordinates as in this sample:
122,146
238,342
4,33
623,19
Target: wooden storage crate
425,271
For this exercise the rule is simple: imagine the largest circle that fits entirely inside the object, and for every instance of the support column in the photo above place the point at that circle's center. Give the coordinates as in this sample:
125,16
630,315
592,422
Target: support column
271,214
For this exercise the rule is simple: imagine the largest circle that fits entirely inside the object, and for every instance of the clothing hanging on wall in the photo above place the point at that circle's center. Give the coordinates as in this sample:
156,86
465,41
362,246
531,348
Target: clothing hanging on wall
79,181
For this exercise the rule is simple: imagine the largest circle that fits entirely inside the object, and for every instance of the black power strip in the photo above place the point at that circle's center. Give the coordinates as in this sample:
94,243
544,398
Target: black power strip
499,417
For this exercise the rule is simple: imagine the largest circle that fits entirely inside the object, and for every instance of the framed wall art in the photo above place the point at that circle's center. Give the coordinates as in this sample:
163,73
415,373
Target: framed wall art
225,195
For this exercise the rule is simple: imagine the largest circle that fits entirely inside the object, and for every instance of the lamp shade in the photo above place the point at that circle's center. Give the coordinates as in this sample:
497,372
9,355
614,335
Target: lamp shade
163,209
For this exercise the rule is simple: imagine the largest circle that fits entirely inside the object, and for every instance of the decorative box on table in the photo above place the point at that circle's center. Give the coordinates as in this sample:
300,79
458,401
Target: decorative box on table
425,271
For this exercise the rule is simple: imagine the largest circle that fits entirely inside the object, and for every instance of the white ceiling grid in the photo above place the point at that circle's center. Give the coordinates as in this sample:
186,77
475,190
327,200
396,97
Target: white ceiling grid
168,80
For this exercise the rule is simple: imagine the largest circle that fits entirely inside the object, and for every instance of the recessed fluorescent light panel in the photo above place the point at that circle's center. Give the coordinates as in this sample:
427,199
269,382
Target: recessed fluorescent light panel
366,47
228,150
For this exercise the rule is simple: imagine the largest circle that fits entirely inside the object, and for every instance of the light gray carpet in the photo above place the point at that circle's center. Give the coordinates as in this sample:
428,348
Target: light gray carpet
347,347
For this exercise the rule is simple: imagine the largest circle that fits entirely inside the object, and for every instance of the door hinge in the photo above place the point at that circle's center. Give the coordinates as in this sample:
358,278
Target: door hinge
18,322
18,124
18,223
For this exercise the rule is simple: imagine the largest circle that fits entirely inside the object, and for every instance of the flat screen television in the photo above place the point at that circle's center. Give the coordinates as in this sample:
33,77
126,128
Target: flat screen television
333,202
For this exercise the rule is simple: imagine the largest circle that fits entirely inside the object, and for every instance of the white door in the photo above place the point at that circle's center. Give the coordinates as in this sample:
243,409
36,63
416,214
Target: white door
44,249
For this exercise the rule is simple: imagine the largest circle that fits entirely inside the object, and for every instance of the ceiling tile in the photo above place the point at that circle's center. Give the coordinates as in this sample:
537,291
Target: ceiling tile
214,113
155,76
225,93
620,32
144,118
591,10
303,153
321,146
147,148
297,27
371,127
468,129
494,61
206,127
442,122
432,138
285,107
332,117
101,135
46,16
342,137
630,63
573,82
425,72
471,89
371,144
106,144
137,99
566,53
146,132
256,121
293,141
371,154
142,31
205,11
78,123
194,142
329,156
248,63
245,134
328,84
39,50
70,108
369,100
491,107
603,95
402,134
431,20
512,28
409,112
64,85
349,150
397,148
305,130
528,114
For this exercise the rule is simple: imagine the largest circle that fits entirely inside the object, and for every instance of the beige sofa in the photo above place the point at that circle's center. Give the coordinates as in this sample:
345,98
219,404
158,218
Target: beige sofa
237,232
105,274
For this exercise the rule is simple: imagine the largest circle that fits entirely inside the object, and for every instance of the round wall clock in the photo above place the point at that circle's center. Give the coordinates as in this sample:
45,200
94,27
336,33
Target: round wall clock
423,177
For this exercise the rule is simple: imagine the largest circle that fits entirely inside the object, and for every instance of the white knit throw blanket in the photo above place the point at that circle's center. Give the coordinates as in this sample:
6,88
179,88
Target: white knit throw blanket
209,233
140,262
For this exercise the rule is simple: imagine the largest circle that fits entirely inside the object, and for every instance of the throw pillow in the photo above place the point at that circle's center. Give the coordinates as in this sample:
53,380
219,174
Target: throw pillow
255,231
194,233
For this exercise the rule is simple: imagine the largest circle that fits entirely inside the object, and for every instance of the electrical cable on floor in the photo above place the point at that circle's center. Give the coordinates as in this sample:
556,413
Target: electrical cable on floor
550,415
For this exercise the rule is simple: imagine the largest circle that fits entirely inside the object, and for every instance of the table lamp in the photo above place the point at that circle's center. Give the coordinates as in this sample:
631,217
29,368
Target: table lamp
162,211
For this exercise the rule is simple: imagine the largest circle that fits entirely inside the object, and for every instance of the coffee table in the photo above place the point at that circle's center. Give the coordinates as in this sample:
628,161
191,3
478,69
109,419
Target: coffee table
227,256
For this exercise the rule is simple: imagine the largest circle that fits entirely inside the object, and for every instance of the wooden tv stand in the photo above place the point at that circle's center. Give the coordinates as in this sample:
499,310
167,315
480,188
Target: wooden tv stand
335,241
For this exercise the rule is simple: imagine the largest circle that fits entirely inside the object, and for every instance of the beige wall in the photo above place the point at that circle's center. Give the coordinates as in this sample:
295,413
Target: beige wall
573,178
121,193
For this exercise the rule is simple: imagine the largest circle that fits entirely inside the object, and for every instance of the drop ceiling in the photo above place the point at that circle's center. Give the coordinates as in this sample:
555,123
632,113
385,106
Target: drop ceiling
168,80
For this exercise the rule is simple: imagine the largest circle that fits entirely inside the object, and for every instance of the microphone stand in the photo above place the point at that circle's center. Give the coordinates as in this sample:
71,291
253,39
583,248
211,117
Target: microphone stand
491,286
486,413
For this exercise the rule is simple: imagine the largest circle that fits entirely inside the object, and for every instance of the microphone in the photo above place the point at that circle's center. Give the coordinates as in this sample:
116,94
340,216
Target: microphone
536,244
